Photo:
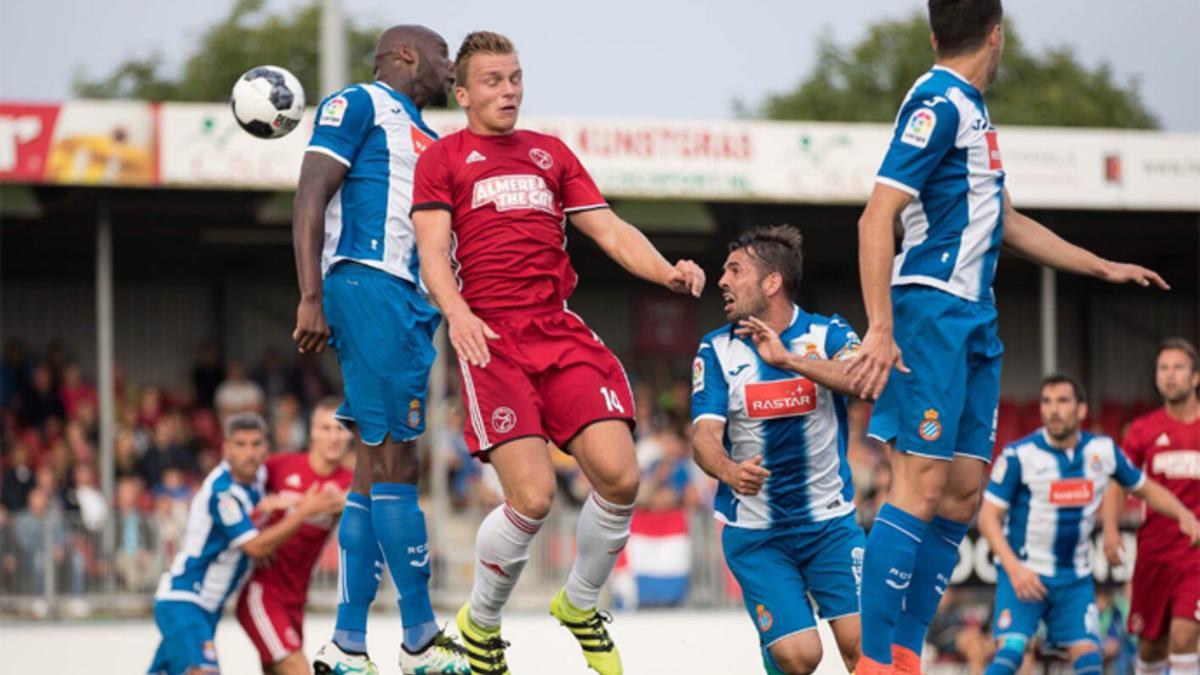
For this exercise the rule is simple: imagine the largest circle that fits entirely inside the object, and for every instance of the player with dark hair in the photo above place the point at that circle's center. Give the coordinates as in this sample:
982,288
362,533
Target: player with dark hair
1050,485
490,207
271,606
769,418
1164,611
218,546
931,355
359,290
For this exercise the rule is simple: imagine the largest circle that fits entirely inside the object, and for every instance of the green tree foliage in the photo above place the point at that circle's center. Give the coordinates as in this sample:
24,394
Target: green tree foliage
866,82
246,38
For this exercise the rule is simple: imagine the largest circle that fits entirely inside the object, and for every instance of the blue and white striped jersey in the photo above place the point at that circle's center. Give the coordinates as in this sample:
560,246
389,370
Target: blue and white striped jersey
1052,497
944,153
377,132
798,427
210,565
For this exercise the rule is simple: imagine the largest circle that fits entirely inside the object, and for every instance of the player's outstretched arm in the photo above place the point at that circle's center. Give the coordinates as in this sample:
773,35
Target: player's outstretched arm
745,478
1035,242
468,333
825,372
320,177
876,248
626,245
316,502
1162,500
1025,581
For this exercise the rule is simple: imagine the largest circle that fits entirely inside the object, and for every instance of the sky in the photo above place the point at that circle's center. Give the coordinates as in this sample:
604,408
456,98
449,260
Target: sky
623,58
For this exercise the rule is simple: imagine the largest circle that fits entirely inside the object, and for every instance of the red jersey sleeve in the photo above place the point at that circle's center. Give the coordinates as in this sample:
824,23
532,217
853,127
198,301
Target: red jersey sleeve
431,180
579,191
1134,444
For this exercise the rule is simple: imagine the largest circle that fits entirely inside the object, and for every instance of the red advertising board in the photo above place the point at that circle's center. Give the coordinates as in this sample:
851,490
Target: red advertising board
25,132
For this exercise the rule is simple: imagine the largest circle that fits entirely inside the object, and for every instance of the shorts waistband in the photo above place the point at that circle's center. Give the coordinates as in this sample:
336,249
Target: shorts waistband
353,267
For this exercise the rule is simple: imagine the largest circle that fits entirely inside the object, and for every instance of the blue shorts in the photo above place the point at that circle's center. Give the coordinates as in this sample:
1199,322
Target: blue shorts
1069,611
382,329
947,405
779,568
188,632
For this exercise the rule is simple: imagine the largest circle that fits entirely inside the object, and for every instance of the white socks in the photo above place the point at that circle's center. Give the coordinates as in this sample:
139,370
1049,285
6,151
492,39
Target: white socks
1150,667
1185,664
501,551
601,535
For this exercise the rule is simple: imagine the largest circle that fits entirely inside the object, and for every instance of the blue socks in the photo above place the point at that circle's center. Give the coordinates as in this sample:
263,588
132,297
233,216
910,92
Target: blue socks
400,528
1089,664
1008,661
936,558
887,575
360,565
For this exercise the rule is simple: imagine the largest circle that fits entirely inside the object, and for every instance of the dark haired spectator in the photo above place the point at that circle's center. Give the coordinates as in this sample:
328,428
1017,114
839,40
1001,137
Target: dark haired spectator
125,454
134,561
15,380
289,432
19,479
166,451
312,383
276,378
207,374
42,402
150,407
76,391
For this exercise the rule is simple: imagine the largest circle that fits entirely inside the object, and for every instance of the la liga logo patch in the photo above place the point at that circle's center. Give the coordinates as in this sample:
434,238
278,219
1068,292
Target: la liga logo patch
930,428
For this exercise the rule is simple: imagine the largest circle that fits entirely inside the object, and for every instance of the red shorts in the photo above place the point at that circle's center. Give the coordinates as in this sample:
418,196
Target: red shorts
276,629
549,376
1161,591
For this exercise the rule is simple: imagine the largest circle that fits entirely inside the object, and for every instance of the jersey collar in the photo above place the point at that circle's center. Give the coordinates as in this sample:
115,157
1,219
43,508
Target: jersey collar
957,75
414,113
1042,439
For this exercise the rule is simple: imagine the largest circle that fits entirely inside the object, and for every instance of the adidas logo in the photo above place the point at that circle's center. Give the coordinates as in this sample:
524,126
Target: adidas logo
292,480
475,156
1163,440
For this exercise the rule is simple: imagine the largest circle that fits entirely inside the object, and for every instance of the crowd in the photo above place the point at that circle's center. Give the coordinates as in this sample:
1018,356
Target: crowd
167,440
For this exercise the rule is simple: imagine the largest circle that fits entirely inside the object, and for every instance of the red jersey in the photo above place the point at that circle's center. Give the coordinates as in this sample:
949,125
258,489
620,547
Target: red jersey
286,578
509,197
1169,452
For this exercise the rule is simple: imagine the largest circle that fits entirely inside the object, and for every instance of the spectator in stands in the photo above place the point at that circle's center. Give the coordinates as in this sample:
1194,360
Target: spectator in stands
312,383
289,432
150,407
75,391
207,374
14,375
134,561
666,481
125,454
92,505
275,378
42,402
18,480
238,393
464,471
873,498
166,451
31,530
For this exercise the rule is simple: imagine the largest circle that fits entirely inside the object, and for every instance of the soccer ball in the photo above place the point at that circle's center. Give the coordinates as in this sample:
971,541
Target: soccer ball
268,101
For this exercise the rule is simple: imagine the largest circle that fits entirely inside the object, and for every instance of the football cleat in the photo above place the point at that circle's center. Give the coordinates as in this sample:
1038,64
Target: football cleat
485,648
442,656
331,660
587,625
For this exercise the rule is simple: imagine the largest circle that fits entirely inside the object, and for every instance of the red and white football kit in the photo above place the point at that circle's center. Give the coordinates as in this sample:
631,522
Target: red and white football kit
271,606
509,196
1166,574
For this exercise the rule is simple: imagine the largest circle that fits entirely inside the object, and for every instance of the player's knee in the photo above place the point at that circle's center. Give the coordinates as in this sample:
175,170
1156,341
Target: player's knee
532,500
622,488
851,649
796,657
1183,637
396,463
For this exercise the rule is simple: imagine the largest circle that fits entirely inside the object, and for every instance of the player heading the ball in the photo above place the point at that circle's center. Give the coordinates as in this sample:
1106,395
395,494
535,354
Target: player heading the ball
489,208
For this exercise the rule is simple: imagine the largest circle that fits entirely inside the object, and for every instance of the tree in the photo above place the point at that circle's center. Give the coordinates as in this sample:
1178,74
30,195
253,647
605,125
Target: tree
867,81
244,39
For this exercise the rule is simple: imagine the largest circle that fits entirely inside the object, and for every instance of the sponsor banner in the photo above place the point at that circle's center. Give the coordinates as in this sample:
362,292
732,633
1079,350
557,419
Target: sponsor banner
203,145
78,143
112,142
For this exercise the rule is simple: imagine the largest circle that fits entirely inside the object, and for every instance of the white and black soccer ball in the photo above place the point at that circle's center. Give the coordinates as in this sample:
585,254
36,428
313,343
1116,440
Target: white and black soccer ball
268,101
